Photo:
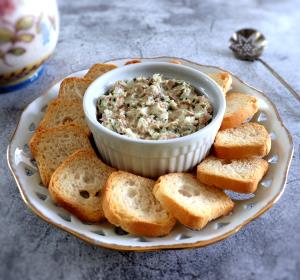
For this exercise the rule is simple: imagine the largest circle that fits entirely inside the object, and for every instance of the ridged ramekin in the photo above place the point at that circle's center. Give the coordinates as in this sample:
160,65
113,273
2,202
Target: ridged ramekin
152,158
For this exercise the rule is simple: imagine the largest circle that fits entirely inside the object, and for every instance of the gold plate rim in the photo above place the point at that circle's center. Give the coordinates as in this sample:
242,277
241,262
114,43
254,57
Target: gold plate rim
160,247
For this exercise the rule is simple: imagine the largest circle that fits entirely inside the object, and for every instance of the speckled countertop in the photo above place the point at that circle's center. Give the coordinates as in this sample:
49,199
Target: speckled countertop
91,31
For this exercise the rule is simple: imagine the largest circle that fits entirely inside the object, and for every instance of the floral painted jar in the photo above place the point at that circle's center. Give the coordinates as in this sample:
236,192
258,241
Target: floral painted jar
28,35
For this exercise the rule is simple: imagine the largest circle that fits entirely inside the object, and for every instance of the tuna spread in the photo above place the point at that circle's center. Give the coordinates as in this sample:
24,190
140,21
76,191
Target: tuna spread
154,108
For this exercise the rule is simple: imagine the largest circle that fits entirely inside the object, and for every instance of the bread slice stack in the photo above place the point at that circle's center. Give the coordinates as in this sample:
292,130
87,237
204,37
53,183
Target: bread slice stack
192,203
76,175
77,184
238,148
128,202
63,129
67,108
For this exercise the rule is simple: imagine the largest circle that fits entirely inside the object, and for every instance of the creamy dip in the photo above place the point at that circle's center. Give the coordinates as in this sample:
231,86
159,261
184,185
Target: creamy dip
154,108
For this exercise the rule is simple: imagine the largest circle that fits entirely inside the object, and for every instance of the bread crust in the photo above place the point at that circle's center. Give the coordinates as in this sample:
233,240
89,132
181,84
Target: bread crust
183,214
243,150
131,224
97,70
65,84
223,79
133,61
237,117
229,183
175,61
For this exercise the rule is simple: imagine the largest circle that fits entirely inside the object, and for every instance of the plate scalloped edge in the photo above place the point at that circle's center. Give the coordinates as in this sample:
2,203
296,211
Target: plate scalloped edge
185,235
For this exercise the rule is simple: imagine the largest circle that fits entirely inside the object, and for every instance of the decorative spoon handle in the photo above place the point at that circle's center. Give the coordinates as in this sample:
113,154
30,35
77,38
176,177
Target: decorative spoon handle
280,79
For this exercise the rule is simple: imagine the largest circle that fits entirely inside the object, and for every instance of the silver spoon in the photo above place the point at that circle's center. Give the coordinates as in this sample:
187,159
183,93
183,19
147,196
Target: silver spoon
248,44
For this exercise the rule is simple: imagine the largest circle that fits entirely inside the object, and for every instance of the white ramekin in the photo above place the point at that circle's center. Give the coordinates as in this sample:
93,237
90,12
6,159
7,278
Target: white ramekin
152,158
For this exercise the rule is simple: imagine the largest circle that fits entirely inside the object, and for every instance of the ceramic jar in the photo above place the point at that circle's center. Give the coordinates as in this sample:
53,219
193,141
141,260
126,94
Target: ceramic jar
28,35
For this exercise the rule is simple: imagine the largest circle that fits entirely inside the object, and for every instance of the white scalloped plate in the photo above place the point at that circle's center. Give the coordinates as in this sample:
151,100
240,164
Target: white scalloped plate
247,208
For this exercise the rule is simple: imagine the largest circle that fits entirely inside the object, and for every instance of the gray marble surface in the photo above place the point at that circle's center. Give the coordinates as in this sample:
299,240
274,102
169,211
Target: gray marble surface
269,247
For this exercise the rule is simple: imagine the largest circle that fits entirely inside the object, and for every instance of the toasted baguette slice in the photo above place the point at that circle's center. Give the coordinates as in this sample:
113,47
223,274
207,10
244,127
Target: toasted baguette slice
241,175
133,61
52,146
175,61
246,141
223,79
239,107
190,202
64,111
97,70
77,185
128,202
73,88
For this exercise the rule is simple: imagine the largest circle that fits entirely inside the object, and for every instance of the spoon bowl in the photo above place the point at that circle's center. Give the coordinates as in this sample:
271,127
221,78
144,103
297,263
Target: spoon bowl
247,44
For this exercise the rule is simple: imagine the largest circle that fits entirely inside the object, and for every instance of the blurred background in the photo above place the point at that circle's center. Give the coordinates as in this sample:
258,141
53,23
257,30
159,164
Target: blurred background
199,30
